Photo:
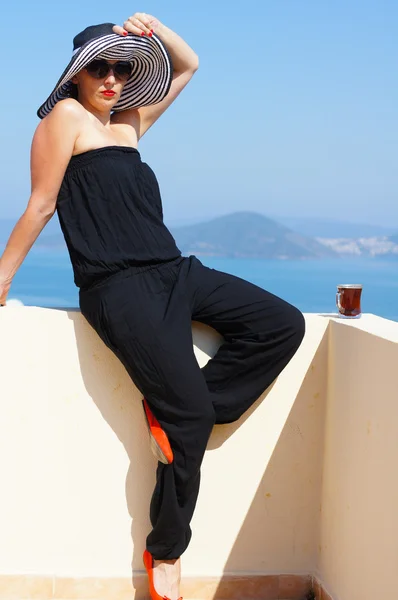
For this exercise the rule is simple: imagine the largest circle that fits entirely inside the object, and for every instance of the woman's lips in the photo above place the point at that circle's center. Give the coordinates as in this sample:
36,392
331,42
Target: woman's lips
108,93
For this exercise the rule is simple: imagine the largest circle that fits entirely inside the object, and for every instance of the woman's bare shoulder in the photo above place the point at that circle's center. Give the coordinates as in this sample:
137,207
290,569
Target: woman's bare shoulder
52,147
65,112
61,126
69,106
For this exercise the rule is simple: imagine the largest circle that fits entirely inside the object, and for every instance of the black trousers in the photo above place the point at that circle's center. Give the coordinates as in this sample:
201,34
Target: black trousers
144,316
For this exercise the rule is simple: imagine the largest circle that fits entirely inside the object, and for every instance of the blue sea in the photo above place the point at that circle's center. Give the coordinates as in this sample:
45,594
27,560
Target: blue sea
46,279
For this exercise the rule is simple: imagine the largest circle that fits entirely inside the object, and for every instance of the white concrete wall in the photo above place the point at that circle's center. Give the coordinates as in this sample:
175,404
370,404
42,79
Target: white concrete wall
358,547
305,482
77,474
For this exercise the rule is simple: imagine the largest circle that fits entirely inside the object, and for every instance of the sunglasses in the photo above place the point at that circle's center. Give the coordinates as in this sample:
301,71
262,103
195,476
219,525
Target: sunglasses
99,69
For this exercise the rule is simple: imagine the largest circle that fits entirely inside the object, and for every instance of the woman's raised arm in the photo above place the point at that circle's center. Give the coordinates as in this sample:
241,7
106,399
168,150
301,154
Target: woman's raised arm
185,63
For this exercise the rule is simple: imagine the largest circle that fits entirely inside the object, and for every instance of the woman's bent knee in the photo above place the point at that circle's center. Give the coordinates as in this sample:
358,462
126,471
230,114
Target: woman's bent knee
297,324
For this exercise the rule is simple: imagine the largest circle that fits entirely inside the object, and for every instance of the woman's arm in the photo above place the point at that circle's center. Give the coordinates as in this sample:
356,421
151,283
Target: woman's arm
52,147
185,63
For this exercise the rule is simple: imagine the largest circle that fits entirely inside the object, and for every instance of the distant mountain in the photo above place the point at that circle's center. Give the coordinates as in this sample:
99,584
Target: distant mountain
333,228
306,226
183,221
241,234
249,235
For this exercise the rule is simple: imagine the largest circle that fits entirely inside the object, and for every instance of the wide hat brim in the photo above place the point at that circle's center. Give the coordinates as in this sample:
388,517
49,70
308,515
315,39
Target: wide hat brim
150,79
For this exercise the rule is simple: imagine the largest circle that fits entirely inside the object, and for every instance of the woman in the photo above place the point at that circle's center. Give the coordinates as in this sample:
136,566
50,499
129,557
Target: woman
135,288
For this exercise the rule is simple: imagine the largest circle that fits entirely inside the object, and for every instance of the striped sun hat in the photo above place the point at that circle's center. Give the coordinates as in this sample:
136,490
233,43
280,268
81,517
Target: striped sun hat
152,68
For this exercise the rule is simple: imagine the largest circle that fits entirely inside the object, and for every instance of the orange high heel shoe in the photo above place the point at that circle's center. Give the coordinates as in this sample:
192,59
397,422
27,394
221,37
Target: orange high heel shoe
160,444
148,562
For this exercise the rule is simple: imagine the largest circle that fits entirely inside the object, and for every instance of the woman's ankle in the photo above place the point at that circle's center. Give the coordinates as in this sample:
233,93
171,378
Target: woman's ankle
166,578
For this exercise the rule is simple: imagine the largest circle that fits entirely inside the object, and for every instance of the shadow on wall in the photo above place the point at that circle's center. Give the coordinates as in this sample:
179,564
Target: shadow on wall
282,509
126,418
285,510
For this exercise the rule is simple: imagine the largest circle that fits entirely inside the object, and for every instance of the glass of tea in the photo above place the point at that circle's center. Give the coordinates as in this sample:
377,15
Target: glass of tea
348,299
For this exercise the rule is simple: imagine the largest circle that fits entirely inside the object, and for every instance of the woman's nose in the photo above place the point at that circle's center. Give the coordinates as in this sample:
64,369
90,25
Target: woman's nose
110,78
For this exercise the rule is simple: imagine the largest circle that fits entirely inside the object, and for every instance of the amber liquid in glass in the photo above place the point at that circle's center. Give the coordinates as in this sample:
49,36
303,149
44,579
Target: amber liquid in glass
348,300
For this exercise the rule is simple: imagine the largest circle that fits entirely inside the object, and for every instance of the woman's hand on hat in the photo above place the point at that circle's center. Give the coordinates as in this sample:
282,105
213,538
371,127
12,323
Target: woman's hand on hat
139,24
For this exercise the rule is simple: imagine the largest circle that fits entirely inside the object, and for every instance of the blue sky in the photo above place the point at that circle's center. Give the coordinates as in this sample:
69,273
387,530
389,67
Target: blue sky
293,111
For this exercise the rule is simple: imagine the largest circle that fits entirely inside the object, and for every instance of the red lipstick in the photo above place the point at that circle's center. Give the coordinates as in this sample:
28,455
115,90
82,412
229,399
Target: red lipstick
108,93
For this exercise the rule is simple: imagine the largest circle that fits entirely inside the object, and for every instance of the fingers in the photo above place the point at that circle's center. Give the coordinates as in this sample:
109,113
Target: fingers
153,23
119,30
145,20
138,24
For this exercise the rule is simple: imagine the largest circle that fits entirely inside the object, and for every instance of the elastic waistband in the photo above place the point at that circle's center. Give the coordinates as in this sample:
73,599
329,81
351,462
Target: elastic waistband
128,272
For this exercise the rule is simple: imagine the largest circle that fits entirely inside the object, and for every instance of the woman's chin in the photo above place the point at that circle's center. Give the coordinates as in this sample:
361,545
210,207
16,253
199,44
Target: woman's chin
107,101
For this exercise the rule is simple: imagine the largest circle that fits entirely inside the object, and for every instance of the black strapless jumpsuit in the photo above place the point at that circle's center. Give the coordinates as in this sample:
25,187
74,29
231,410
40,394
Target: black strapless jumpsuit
140,295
